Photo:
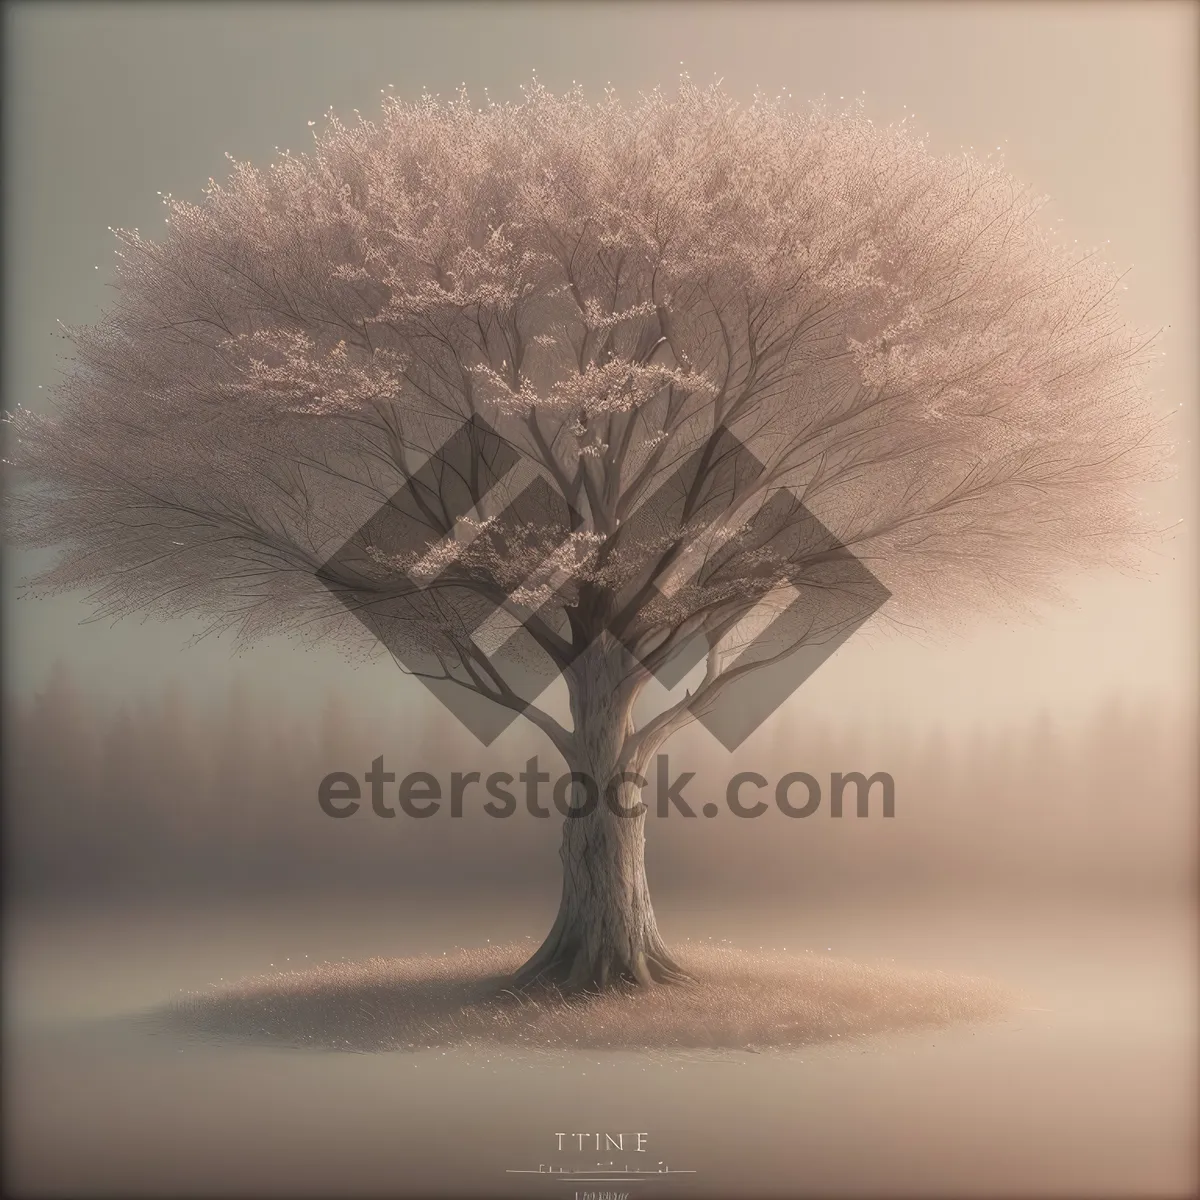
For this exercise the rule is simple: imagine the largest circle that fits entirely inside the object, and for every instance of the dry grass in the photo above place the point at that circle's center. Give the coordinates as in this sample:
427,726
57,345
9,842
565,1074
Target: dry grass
744,1001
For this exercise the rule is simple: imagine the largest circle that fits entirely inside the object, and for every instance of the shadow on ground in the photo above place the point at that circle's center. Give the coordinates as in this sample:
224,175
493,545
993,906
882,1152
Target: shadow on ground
743,1001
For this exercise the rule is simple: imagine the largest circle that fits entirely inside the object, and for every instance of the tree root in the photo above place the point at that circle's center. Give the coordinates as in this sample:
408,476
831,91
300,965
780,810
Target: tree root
574,971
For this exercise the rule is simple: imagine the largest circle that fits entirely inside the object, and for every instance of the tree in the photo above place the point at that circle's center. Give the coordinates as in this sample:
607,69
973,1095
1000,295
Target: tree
567,388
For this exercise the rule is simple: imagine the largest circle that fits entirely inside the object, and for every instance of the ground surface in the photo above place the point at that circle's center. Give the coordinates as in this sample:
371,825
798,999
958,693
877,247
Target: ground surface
1086,1088
741,1000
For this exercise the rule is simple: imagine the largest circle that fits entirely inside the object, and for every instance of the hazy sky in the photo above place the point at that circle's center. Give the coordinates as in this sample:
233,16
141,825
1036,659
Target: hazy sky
1095,104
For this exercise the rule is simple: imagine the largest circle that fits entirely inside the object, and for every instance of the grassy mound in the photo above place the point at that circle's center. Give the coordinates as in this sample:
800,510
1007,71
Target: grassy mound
743,1001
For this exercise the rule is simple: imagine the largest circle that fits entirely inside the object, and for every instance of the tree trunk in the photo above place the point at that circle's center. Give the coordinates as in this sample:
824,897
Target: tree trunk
605,934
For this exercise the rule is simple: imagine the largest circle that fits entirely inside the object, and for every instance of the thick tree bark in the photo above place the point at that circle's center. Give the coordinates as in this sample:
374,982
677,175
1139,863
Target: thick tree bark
605,934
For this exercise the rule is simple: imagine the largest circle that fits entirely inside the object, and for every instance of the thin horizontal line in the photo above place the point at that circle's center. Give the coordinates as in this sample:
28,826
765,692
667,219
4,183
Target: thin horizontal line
589,1178
593,1179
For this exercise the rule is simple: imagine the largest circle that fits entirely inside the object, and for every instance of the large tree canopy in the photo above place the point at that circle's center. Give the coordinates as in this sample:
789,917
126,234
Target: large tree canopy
672,318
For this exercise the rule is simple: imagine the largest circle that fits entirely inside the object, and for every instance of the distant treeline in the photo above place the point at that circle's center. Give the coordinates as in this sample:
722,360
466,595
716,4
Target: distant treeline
168,793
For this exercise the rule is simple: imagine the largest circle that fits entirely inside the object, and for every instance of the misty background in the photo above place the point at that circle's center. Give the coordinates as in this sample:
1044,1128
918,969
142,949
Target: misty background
174,794
1051,747
161,818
